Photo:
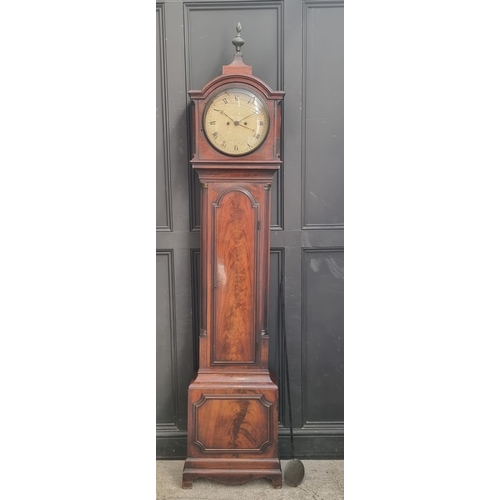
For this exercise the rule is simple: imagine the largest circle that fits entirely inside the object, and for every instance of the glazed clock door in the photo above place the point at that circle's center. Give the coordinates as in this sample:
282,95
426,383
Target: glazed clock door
236,121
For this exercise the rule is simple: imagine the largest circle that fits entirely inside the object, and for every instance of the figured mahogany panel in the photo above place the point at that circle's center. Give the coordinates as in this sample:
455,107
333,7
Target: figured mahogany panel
233,422
235,241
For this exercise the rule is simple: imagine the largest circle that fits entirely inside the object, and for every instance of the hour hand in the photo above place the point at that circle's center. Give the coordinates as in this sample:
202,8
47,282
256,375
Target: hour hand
244,126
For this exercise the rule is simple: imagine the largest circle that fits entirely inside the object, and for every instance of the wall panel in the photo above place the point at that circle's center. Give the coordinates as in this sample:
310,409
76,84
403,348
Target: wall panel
166,360
323,115
323,335
163,205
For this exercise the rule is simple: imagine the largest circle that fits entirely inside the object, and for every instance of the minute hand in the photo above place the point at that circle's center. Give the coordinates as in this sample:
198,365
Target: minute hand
254,113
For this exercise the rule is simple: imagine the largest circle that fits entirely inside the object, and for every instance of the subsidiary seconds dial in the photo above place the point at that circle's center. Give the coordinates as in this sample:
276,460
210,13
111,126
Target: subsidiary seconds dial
236,121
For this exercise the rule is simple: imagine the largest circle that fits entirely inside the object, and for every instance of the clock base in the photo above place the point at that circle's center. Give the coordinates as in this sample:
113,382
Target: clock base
232,428
230,472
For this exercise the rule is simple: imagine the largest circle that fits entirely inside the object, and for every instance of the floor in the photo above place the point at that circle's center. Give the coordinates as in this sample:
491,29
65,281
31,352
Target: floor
323,480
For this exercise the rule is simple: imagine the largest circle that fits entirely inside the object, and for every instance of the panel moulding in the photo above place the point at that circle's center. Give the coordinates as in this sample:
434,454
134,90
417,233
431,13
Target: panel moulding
307,5
312,425
169,254
160,12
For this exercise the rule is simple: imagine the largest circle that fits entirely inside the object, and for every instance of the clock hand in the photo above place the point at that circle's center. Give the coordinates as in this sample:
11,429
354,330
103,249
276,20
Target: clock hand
244,126
236,122
254,113
224,113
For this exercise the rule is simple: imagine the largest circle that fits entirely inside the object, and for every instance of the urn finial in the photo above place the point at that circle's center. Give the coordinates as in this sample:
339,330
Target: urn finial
238,41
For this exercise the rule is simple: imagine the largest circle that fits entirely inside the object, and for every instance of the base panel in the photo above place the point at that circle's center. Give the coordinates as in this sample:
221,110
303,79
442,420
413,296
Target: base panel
272,471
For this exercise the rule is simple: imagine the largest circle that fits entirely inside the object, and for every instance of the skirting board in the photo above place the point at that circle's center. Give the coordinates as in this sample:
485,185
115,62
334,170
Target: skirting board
310,443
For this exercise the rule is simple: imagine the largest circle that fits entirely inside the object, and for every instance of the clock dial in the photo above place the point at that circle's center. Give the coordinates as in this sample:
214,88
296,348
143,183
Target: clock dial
236,121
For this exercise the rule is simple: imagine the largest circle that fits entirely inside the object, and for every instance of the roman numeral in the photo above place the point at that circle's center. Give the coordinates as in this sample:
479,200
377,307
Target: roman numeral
236,97
236,148
212,123
225,100
261,123
216,134
224,144
257,136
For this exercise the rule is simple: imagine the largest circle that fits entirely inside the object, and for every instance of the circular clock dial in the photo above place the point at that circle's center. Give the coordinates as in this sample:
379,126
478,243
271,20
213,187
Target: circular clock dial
236,121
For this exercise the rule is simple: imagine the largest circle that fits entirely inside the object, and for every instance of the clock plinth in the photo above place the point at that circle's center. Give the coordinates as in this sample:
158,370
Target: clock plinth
233,401
234,429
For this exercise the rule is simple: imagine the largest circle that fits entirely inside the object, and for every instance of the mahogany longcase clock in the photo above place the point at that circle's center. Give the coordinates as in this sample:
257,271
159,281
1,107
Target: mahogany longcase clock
233,402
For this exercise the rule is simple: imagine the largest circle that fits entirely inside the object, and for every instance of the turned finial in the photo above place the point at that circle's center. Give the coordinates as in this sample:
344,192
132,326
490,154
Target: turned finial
238,41
237,67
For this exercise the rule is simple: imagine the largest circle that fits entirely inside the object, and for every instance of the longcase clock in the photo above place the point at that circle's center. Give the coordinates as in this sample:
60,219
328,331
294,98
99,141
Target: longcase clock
233,401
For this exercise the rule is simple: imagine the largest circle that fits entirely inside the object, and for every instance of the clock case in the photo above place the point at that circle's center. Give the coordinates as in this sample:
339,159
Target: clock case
233,400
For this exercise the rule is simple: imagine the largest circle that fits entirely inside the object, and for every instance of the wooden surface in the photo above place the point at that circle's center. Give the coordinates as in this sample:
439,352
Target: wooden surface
268,151
235,260
233,403
232,434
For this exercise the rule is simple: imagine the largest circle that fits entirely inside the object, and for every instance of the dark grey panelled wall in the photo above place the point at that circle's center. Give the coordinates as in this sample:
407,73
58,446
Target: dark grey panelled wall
295,46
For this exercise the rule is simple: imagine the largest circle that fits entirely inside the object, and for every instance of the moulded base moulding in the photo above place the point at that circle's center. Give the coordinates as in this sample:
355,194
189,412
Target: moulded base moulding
225,473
